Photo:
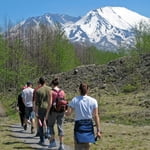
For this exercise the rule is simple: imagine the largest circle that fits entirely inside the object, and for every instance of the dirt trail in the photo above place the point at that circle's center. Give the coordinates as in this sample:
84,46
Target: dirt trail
30,139
19,133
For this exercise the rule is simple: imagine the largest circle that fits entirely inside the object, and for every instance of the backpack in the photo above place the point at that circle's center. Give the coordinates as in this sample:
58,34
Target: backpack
59,104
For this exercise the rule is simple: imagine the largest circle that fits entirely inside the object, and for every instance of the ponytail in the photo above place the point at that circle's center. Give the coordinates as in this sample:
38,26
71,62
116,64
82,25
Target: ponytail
83,88
55,82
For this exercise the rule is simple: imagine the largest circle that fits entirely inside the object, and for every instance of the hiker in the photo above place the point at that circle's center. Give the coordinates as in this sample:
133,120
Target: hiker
56,116
42,98
27,96
34,99
21,107
86,109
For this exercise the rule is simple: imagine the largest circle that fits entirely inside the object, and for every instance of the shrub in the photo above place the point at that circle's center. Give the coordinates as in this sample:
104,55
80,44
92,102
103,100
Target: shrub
129,88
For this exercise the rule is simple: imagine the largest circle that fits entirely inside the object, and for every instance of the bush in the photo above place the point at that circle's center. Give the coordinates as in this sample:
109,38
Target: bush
129,88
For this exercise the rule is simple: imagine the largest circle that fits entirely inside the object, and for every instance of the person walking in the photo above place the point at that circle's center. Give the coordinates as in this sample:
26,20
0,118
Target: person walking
27,96
55,117
42,99
86,109
21,107
34,107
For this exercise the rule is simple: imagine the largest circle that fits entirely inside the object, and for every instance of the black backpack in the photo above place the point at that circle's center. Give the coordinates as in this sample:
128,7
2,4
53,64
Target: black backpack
60,103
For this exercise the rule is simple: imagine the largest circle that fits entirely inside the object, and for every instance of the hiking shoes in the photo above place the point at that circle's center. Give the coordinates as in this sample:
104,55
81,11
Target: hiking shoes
61,147
37,134
25,127
32,130
28,121
42,143
52,144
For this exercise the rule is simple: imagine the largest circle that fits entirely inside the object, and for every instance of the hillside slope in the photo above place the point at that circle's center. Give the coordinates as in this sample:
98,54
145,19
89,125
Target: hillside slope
121,88
125,117
116,76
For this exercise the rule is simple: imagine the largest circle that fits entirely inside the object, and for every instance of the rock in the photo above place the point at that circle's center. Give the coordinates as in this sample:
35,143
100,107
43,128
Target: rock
111,77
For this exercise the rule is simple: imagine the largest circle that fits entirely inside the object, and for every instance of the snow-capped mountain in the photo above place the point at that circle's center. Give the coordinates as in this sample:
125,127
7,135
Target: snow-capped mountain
47,19
107,28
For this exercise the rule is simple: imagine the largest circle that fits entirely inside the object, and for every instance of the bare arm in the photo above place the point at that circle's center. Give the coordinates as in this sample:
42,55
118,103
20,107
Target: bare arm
36,110
97,121
69,111
36,104
33,100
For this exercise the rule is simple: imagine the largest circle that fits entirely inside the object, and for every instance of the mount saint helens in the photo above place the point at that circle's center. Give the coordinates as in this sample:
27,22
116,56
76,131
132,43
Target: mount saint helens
107,28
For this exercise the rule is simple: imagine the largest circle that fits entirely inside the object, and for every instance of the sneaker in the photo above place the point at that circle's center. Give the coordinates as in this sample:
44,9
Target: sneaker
37,134
32,130
25,127
28,121
47,136
52,144
41,143
61,147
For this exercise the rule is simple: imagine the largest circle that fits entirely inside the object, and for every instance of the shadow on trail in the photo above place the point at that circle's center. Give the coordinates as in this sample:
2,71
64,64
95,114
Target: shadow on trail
10,143
30,139
26,147
21,137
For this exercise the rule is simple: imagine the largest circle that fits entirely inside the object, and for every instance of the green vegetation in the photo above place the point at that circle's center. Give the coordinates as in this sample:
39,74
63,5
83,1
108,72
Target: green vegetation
129,88
125,122
124,116
7,139
48,51
142,32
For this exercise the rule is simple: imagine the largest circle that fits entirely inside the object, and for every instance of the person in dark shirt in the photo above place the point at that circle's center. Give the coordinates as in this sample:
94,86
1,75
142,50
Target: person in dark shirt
21,108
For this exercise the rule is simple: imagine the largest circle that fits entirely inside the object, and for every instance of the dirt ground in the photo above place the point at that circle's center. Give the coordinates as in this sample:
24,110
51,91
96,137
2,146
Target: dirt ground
31,139
26,136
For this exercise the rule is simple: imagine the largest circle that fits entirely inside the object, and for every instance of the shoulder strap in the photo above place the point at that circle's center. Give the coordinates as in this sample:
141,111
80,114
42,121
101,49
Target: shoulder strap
57,91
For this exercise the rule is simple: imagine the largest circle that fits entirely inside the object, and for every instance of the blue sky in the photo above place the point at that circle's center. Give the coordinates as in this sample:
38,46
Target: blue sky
17,10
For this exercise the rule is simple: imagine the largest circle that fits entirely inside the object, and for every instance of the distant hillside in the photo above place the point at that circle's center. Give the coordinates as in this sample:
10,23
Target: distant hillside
126,74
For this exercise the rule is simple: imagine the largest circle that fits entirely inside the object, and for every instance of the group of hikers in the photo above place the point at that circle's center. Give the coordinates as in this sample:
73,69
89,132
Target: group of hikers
48,105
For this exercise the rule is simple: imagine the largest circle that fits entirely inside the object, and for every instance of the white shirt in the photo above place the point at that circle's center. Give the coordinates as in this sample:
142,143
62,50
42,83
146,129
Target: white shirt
27,95
83,107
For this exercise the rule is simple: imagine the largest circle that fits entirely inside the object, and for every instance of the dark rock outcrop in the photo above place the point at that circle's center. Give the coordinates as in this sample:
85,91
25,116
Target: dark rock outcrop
111,77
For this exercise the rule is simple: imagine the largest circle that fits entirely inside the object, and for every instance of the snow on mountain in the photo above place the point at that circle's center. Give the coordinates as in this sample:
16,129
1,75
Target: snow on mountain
47,19
106,28
121,17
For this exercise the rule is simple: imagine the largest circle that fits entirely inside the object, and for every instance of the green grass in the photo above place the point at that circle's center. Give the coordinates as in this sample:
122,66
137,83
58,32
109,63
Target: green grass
125,108
117,137
7,141
125,122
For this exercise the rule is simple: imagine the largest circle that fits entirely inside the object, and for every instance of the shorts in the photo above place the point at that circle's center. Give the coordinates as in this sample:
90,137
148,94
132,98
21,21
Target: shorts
55,117
29,113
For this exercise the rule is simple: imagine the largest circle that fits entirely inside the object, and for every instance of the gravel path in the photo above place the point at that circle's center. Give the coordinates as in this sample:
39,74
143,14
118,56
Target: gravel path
28,138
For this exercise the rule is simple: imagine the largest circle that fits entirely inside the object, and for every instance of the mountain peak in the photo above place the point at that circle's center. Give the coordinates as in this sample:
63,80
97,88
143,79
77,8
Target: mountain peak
121,17
106,28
